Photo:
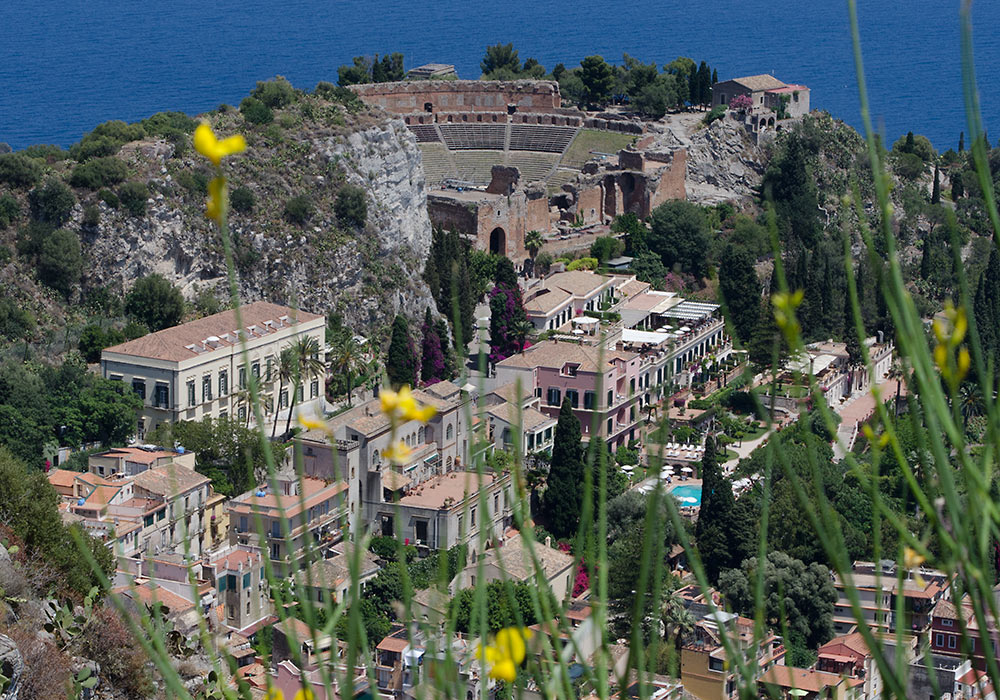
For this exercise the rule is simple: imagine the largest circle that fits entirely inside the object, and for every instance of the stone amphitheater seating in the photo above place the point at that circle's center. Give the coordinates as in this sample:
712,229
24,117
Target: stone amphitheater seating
533,166
475,166
461,137
550,139
425,133
437,165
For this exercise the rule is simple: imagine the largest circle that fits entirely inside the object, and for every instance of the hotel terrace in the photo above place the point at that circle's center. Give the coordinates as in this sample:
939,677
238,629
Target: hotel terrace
312,508
196,370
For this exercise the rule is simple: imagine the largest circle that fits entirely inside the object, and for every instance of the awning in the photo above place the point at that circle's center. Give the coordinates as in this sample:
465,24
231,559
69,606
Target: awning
395,481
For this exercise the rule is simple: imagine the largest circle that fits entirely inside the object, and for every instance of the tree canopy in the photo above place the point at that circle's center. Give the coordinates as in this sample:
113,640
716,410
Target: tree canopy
563,497
155,302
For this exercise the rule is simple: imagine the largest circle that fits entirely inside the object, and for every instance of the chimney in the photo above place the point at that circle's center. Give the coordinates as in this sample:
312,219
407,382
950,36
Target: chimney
548,541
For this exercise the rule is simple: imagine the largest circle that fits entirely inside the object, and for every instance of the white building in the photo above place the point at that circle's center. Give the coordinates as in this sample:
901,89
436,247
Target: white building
196,370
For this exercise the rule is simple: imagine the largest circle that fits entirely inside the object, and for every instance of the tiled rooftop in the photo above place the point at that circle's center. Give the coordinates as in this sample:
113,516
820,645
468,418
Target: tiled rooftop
175,344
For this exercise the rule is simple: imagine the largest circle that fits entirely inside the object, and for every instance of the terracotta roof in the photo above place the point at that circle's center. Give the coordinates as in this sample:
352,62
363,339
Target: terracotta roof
759,82
633,287
170,480
804,679
145,594
855,642
529,418
579,283
233,561
555,355
62,478
436,491
442,390
547,300
171,344
509,393
393,643
515,559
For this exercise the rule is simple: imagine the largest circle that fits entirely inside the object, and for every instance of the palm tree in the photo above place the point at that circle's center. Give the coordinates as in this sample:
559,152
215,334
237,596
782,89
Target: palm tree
306,364
346,359
286,373
970,400
533,242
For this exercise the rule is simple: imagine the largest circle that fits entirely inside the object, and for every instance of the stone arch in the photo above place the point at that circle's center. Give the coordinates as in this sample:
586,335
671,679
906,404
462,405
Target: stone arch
498,241
770,122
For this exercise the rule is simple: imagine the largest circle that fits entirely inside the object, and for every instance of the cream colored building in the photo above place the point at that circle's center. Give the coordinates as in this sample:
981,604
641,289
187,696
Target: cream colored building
196,370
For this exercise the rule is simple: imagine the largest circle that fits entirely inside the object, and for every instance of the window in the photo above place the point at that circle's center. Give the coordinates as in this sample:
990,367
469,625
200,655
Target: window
283,399
472,517
275,551
952,641
298,392
569,370
222,584
589,400
421,436
246,580
242,377
242,413
449,433
248,602
243,523
139,387
223,382
611,397
421,530
206,388
496,503
554,397
270,362
255,369
314,389
939,640
161,398
375,459
232,611
611,424
191,399
947,623
574,397
161,514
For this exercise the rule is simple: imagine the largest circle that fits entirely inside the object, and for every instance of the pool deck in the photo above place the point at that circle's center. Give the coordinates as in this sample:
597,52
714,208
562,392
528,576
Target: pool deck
671,486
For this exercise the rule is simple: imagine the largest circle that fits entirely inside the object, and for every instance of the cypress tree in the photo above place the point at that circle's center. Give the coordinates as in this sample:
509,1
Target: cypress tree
450,364
715,525
936,191
715,76
564,490
693,91
401,362
462,285
704,84
854,357
432,362
986,307
740,290
908,148
961,141
505,273
957,187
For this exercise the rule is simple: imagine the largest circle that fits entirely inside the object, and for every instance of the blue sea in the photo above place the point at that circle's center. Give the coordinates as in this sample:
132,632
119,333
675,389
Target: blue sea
66,65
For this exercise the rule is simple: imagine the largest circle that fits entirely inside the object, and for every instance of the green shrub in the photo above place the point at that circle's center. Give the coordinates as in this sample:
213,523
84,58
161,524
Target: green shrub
582,264
46,152
255,111
91,216
194,182
134,329
109,198
60,262
335,93
99,172
93,339
908,166
106,139
133,196
274,93
10,210
298,209
51,203
31,236
5,255
18,170
351,207
241,200
155,302
168,123
718,112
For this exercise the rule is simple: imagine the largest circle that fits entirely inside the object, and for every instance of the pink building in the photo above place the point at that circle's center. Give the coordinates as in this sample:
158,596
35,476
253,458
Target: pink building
600,384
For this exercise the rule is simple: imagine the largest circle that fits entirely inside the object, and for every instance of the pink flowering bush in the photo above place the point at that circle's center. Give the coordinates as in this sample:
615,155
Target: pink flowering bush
741,102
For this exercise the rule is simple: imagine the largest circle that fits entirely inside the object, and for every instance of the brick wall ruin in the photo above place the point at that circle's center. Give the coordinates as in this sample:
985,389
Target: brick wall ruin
469,96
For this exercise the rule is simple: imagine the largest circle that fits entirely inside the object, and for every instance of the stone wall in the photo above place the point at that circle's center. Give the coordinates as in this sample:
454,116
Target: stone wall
434,96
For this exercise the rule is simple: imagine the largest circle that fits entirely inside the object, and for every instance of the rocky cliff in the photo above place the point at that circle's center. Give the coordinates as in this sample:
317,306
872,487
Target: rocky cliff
311,150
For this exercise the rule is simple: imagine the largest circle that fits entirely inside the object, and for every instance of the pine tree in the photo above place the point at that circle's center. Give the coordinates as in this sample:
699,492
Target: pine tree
401,361
936,191
715,525
564,490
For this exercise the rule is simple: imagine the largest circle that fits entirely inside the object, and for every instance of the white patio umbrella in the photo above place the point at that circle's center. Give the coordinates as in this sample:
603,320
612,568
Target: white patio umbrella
687,470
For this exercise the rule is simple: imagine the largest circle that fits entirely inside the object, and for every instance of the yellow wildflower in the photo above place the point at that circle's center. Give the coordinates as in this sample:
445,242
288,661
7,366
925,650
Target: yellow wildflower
949,335
912,559
212,148
397,453
506,653
274,694
303,694
217,204
310,423
401,404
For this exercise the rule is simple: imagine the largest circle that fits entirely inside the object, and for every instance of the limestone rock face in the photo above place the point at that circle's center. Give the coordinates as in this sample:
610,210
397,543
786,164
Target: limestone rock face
11,666
367,275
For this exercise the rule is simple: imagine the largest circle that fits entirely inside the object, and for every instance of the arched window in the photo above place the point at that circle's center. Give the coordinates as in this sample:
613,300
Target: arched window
420,436
375,458
449,433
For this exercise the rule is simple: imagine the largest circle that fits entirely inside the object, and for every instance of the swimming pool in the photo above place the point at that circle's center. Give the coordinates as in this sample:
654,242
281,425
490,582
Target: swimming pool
688,494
